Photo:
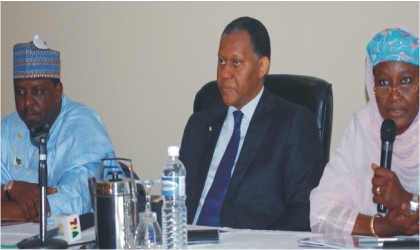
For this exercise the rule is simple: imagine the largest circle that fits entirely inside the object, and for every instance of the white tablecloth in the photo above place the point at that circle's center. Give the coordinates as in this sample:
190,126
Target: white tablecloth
255,239
228,238
11,235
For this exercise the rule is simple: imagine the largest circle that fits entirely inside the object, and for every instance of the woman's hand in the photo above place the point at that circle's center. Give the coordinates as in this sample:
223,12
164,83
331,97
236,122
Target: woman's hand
397,221
391,193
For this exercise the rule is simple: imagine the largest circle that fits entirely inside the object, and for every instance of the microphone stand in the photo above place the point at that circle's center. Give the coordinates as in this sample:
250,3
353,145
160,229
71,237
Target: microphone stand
39,132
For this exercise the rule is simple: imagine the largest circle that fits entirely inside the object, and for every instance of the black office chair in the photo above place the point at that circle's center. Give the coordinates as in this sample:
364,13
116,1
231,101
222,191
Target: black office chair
312,92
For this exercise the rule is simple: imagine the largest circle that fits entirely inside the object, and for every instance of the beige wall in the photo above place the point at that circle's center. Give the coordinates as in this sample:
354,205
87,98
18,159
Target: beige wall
139,64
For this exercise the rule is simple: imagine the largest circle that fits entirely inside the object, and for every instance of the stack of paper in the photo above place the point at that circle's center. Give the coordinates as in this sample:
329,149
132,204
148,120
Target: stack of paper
344,241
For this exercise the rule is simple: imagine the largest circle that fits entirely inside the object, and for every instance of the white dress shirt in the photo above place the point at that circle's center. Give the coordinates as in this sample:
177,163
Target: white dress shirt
222,142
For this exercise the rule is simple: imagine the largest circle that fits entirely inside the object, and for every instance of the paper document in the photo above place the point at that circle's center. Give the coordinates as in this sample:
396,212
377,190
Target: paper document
346,241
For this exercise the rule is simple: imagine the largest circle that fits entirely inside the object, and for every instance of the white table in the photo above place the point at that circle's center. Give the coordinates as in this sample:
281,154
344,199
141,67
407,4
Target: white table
255,239
228,238
11,235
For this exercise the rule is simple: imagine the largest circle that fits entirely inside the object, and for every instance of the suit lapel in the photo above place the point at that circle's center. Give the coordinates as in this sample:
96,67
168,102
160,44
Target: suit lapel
258,126
211,136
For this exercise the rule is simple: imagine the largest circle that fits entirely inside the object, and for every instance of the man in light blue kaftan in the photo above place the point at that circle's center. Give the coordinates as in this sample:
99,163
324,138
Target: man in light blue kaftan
76,142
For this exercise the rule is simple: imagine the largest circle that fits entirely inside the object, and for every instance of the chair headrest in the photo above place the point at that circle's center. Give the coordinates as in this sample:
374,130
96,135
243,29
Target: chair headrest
312,92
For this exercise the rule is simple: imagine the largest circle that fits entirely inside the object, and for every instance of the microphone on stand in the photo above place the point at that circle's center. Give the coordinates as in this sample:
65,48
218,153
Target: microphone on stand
388,129
39,131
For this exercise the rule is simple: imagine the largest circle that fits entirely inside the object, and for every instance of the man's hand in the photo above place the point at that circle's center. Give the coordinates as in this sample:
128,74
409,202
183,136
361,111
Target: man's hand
26,195
392,194
11,212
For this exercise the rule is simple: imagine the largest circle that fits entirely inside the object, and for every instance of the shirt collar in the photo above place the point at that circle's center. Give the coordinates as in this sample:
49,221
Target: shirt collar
250,107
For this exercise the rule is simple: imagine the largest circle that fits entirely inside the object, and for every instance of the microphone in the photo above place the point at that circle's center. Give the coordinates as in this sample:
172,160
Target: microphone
39,131
388,129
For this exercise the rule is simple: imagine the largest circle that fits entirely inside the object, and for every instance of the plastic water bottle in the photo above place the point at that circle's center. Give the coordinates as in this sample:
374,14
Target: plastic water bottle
174,211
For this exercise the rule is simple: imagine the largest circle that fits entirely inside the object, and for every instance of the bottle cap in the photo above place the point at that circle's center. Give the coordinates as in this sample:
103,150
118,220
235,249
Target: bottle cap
173,151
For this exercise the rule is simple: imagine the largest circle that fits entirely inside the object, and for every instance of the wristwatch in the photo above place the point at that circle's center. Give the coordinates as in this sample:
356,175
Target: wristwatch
7,188
414,204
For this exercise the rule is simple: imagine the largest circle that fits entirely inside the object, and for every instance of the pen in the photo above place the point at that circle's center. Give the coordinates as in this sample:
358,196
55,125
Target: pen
378,239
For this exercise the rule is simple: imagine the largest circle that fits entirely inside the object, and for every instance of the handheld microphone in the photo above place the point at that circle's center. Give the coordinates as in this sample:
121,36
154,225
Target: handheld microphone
388,129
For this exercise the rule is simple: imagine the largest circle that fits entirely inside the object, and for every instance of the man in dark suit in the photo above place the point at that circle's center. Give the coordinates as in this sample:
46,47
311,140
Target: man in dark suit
252,161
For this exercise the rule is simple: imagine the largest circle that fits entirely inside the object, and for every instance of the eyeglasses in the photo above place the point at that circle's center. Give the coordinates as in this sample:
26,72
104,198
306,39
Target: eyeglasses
403,90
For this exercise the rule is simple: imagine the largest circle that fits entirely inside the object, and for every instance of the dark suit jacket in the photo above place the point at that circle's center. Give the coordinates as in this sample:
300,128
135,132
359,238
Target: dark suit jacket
280,162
